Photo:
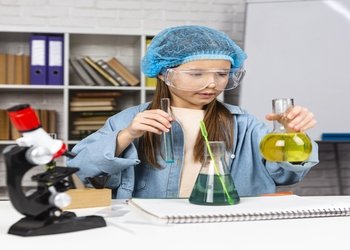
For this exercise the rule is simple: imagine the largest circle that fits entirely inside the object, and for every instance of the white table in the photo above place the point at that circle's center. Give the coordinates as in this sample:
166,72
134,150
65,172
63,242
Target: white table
127,229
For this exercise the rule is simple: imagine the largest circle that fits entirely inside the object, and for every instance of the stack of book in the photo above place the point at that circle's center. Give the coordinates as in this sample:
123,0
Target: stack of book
90,110
14,69
86,71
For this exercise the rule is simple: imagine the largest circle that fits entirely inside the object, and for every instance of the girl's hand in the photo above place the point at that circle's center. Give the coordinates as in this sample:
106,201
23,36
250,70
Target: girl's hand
154,121
297,119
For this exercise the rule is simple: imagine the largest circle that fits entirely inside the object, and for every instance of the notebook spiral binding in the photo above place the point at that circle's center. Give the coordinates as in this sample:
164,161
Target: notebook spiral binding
313,213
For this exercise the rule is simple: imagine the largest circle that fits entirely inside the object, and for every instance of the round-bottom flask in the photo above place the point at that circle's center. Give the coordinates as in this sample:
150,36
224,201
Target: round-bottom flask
281,145
214,184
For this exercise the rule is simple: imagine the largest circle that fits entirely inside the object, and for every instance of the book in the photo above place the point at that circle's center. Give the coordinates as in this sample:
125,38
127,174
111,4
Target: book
92,103
97,94
43,115
14,134
10,68
99,118
88,127
249,209
97,78
18,69
3,69
85,78
80,134
92,108
90,120
112,72
4,125
97,122
52,116
98,69
87,114
26,69
92,99
123,71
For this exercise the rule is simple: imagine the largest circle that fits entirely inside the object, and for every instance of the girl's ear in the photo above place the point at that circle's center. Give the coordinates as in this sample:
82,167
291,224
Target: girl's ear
161,77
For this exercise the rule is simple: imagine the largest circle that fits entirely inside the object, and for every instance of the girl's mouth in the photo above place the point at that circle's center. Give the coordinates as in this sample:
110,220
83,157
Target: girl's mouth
206,95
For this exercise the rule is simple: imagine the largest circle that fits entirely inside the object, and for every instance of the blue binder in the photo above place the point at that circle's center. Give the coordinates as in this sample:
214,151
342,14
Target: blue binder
55,60
38,66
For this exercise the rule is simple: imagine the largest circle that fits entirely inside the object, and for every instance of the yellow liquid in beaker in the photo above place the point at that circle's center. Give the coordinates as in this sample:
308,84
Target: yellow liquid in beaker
291,147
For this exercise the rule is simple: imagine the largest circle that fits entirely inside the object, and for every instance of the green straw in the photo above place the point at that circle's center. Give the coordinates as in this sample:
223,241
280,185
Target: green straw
205,136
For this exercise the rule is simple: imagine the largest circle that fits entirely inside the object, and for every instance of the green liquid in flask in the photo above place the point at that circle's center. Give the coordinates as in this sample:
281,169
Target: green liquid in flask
208,190
291,147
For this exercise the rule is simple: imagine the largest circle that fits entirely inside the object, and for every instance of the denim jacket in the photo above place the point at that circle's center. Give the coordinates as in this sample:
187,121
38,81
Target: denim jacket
130,177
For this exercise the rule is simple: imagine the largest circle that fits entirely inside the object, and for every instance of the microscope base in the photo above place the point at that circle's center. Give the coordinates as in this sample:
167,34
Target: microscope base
67,222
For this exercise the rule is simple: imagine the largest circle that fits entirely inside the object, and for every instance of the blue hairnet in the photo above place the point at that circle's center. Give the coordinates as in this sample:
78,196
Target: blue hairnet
178,45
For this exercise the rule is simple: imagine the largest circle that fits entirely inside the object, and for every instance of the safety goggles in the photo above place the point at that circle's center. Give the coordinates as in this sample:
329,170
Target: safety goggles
196,79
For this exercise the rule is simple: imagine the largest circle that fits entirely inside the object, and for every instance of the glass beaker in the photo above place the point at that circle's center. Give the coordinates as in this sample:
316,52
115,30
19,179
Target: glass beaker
214,184
281,145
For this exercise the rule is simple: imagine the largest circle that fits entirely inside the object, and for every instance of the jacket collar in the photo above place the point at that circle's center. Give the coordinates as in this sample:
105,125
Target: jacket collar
235,110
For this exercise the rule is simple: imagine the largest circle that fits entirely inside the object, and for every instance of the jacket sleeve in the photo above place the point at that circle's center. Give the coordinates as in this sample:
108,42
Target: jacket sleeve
95,154
285,173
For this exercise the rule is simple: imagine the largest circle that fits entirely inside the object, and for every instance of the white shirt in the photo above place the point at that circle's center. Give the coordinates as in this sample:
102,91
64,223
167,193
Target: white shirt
189,120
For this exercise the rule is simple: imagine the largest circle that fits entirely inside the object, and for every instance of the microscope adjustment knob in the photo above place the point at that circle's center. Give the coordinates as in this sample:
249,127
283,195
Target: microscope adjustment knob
60,200
39,155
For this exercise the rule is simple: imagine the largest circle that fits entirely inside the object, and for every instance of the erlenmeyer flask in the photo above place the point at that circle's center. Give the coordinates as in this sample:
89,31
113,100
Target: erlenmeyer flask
214,184
281,145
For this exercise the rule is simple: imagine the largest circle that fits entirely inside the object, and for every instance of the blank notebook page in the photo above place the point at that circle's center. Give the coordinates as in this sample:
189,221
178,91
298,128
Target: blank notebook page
249,208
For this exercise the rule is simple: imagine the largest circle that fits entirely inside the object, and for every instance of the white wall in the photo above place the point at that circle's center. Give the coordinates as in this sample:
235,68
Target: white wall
299,49
133,16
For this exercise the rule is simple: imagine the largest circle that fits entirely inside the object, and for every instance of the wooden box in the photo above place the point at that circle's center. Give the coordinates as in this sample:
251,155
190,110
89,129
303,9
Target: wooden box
89,197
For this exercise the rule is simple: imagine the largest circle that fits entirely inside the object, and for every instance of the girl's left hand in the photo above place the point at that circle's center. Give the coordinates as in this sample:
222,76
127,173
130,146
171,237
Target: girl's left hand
297,119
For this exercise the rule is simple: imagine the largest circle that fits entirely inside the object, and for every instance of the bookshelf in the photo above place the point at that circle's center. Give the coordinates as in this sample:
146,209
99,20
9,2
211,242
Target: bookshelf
127,48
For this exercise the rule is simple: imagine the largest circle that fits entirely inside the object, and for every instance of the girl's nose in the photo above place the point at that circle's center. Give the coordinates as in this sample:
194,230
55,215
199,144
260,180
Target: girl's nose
212,85
211,80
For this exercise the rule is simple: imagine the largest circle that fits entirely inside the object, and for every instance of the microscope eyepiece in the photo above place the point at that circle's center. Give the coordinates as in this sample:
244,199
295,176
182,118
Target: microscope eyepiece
24,118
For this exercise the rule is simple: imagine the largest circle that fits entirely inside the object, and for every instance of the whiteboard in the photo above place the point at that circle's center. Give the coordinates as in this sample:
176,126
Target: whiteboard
299,49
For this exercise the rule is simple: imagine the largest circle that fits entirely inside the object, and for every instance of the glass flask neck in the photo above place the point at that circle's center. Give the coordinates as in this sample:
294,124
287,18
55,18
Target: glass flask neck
216,156
279,107
217,149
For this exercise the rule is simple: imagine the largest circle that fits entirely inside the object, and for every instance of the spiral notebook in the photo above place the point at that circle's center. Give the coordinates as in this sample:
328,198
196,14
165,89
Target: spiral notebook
249,209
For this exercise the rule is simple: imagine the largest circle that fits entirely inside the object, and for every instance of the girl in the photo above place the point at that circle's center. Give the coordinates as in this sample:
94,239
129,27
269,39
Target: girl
193,64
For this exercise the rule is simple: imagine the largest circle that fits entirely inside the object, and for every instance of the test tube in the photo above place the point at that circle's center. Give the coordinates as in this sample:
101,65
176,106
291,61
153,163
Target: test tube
167,137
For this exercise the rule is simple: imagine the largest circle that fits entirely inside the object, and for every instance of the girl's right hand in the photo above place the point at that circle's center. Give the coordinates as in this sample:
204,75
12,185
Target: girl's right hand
154,121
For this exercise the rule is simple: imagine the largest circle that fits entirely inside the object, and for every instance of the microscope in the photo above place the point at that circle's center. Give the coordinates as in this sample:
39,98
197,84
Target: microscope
43,207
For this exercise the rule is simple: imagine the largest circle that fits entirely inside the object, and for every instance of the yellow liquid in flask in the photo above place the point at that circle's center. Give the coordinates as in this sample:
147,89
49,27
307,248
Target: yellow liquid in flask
290,147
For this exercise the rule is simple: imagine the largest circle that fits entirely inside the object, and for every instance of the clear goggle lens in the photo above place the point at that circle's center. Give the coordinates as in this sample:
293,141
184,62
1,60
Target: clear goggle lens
195,80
